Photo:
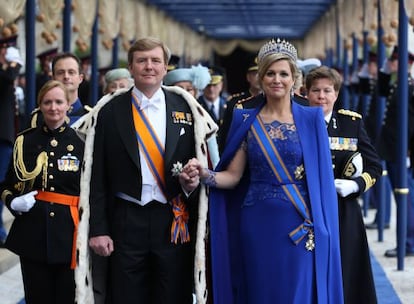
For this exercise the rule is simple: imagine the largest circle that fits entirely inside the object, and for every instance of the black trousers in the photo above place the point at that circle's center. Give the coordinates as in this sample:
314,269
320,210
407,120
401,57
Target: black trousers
145,266
47,283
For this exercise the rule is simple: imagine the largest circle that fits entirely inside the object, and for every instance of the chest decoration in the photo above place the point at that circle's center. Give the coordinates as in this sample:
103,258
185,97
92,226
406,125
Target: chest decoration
68,162
182,118
343,143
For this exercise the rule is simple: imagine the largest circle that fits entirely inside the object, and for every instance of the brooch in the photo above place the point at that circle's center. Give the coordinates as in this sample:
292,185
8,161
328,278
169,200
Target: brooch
310,243
299,172
177,169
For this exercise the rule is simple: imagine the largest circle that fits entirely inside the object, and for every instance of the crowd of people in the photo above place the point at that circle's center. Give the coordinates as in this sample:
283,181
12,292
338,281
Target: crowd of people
168,192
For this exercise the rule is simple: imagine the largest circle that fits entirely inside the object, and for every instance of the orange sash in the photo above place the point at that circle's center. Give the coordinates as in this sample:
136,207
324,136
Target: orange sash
149,143
72,202
153,152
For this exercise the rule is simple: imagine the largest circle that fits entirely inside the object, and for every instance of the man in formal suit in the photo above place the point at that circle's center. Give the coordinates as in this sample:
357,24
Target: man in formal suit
212,99
66,68
146,219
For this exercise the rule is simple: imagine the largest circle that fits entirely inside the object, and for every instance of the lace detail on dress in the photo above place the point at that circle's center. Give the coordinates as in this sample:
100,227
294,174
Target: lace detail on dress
264,183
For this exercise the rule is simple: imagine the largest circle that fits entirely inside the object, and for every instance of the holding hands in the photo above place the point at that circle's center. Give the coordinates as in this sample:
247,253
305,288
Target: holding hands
189,177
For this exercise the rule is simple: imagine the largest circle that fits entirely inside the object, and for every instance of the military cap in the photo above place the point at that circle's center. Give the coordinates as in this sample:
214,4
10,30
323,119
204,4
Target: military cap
394,55
8,41
253,65
85,58
48,54
372,56
173,62
104,70
308,64
217,74
410,57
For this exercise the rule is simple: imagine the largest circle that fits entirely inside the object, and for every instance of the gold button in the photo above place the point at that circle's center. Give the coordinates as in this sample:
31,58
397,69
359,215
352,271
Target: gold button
52,188
50,176
51,214
51,165
52,153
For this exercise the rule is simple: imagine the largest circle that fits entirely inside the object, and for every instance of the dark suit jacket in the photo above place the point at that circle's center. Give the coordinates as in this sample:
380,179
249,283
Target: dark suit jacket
116,163
223,106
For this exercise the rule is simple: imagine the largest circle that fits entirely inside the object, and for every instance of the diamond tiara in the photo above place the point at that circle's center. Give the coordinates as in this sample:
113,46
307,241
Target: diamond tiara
278,46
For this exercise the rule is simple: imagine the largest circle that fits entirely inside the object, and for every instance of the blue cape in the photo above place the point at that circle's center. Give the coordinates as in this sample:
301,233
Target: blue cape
225,205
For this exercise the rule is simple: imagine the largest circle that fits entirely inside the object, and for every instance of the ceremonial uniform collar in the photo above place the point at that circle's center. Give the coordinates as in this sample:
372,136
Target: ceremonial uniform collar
75,106
55,131
328,118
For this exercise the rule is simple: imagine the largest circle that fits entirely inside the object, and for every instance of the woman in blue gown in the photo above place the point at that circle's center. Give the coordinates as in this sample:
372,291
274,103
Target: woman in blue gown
273,207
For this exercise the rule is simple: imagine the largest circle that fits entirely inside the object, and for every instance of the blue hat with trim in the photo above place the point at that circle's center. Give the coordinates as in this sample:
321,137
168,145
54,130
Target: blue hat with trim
198,75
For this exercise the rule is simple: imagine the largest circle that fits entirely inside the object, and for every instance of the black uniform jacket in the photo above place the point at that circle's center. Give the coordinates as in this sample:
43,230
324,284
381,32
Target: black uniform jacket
347,135
45,232
228,115
116,163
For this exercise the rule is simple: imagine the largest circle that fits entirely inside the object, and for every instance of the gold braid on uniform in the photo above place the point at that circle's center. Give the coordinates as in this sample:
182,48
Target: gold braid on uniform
20,168
369,181
4,194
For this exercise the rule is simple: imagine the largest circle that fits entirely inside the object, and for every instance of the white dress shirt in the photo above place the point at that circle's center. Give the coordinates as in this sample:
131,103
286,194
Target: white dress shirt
155,110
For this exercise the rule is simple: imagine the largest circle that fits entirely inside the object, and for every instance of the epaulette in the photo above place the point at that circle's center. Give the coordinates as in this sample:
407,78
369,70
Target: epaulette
350,113
25,131
239,104
35,110
236,95
87,108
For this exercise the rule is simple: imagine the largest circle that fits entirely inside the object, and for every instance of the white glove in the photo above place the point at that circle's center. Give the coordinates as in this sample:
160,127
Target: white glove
13,55
386,68
345,187
24,202
364,72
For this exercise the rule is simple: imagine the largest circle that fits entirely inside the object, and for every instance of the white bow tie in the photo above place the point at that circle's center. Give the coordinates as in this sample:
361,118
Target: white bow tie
146,103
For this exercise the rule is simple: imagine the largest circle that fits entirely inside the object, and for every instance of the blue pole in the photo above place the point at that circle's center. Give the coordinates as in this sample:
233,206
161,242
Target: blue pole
381,188
401,191
115,52
365,97
338,39
67,26
345,69
30,57
355,95
93,93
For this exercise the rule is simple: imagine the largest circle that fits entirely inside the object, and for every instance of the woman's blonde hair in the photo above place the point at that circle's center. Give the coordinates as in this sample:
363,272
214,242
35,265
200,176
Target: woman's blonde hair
50,85
268,60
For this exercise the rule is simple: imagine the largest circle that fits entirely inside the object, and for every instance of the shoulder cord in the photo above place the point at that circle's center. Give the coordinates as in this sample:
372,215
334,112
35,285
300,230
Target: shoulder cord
20,168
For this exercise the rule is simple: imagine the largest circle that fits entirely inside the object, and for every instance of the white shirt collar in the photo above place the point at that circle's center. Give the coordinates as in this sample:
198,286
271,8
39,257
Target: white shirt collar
156,100
328,117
